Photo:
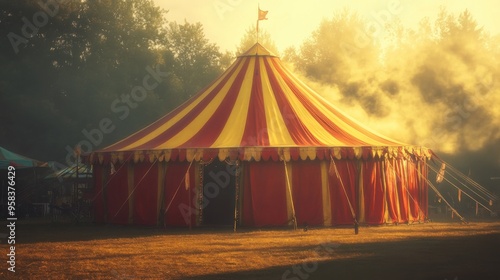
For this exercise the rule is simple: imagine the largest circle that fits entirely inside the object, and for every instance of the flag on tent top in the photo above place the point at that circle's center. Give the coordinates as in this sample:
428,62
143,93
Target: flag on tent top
262,14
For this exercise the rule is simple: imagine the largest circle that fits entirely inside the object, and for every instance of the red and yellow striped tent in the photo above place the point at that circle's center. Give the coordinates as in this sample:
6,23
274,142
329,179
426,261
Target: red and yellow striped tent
257,147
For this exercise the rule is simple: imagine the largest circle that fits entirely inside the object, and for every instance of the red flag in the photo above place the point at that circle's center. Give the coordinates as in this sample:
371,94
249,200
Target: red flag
262,14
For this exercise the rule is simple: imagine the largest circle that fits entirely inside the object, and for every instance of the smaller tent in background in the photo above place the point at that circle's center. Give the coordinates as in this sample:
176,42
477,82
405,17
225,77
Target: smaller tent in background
8,158
28,175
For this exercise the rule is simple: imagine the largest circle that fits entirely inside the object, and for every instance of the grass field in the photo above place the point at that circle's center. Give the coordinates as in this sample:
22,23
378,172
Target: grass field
420,251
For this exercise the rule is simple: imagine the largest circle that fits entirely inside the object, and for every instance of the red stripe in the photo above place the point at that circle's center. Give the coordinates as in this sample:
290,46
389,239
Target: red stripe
188,118
153,126
285,74
256,127
211,130
323,120
298,130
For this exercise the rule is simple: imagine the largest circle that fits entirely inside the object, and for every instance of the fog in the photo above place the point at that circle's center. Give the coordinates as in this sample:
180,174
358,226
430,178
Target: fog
435,86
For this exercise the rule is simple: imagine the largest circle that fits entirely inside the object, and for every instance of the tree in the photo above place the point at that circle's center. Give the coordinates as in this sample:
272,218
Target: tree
79,58
85,63
250,38
337,49
434,83
195,61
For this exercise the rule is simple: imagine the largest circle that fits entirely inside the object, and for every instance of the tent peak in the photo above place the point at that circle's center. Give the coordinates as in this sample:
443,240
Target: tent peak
257,50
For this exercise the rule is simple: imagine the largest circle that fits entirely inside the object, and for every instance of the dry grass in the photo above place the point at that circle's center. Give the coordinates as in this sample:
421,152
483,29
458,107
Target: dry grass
424,251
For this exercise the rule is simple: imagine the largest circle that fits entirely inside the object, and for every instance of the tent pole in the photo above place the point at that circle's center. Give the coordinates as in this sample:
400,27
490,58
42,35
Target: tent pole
236,194
290,193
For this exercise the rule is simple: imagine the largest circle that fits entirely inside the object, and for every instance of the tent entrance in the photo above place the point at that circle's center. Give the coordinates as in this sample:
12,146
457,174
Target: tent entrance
218,193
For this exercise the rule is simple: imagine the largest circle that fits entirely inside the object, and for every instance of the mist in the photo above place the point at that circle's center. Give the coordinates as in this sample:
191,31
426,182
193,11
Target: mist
435,86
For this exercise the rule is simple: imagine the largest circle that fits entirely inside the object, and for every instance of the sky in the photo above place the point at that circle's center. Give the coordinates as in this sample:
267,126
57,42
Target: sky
290,22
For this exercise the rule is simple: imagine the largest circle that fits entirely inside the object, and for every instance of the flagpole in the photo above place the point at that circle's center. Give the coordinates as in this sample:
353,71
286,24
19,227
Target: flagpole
258,15
257,31
261,15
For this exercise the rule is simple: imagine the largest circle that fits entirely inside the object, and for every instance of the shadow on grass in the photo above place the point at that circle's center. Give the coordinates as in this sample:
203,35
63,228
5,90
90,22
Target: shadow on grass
471,257
27,233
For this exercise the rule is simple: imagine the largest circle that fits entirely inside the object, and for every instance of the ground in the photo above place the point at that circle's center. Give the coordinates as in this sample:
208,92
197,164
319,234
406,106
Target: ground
432,250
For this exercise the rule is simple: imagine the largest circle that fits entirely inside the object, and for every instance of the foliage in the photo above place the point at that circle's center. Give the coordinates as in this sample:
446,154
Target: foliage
250,38
447,68
196,62
76,63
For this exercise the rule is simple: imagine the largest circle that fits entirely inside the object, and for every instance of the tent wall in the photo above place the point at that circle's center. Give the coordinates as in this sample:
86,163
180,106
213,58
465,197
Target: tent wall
116,194
139,194
307,189
423,195
265,194
396,195
379,191
371,193
340,209
145,195
181,203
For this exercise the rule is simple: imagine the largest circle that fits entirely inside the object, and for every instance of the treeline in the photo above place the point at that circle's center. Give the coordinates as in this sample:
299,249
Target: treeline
92,72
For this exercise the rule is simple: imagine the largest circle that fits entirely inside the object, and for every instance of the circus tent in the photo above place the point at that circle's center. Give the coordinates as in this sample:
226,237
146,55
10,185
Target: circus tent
8,158
257,147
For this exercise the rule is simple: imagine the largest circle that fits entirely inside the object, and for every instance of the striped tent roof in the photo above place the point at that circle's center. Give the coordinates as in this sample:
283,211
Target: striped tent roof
8,158
256,108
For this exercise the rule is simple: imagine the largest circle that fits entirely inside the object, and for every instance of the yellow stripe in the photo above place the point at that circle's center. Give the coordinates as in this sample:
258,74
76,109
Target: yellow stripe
199,121
387,218
327,204
303,114
392,170
233,130
314,98
406,182
276,127
361,195
333,118
174,119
